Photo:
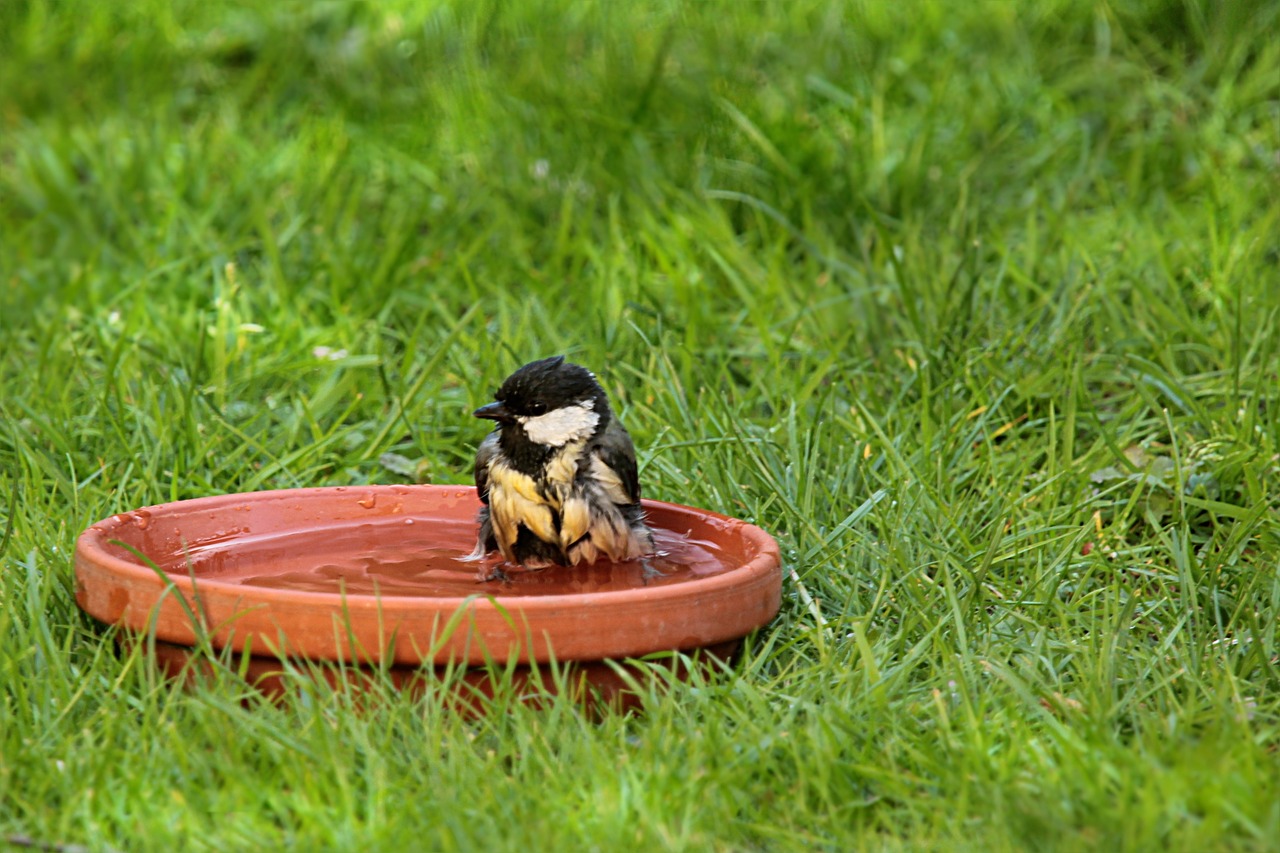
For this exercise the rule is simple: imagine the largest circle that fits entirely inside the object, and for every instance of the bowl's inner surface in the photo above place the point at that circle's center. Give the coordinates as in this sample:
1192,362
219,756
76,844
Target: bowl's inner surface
414,553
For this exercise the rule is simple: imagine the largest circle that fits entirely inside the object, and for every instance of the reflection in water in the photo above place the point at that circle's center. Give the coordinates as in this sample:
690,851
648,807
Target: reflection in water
401,558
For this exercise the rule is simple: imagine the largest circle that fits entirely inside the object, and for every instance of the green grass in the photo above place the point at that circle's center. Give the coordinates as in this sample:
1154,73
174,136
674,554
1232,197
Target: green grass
972,305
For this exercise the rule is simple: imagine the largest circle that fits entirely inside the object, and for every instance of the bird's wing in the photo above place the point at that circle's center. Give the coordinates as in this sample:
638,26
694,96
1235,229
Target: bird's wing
615,450
484,455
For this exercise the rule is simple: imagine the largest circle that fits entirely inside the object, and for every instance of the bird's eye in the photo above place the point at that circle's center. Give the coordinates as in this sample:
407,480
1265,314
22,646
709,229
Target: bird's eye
537,408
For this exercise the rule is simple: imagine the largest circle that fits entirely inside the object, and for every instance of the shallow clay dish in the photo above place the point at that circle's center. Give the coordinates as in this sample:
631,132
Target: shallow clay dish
371,574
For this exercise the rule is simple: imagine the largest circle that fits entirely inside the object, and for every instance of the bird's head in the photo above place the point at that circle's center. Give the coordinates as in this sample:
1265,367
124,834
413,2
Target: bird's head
551,402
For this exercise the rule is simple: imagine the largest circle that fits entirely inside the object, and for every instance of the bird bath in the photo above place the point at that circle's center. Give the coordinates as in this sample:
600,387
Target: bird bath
372,576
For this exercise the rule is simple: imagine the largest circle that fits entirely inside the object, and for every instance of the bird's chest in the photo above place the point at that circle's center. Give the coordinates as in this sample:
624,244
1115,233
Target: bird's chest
539,502
561,471
551,483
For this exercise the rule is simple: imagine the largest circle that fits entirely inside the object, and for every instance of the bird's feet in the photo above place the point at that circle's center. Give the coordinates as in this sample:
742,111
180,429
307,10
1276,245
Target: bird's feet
492,573
648,571
498,571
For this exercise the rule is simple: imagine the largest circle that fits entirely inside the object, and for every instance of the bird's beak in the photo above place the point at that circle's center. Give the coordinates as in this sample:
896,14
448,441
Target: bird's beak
494,412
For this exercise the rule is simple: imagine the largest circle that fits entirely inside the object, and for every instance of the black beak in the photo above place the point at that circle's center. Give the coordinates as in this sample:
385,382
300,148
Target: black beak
494,412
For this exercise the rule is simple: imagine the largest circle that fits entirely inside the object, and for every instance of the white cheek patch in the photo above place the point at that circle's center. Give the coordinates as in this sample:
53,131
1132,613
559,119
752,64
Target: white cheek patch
558,428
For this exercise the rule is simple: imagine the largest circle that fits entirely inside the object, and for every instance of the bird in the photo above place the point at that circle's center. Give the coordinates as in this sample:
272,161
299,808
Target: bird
557,476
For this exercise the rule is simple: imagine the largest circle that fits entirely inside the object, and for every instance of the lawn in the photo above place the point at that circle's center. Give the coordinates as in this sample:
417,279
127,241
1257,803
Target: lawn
973,306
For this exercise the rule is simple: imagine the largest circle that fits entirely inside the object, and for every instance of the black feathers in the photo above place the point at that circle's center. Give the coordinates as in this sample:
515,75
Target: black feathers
546,385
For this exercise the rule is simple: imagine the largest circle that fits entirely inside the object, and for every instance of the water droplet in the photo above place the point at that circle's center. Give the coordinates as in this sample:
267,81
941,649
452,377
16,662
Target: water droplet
369,502
408,521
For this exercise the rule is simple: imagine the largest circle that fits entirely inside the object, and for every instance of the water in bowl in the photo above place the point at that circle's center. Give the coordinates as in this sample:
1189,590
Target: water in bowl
423,558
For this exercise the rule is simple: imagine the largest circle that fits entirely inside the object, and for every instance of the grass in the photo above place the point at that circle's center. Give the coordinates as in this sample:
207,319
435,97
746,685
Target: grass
973,306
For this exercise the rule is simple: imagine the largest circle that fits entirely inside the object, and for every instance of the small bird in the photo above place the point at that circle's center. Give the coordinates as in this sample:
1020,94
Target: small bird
557,475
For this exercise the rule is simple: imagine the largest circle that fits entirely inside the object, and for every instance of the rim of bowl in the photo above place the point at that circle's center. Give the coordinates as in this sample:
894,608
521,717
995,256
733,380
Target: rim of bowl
91,546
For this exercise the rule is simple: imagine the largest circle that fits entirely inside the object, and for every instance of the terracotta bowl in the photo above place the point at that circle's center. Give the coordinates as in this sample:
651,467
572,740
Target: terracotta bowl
371,575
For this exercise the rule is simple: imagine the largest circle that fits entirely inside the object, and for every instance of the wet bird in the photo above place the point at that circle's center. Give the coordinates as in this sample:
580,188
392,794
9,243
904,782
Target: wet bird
557,476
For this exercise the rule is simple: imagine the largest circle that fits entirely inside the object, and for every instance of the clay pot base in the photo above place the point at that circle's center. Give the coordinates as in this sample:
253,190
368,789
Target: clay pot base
372,575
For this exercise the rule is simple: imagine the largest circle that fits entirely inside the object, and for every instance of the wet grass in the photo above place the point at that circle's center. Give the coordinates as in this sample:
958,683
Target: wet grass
974,307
